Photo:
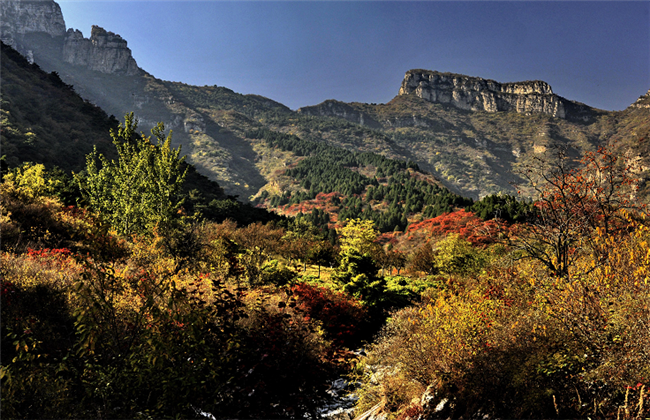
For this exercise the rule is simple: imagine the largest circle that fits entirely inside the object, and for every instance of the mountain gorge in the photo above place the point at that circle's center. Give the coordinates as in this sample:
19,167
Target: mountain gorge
472,134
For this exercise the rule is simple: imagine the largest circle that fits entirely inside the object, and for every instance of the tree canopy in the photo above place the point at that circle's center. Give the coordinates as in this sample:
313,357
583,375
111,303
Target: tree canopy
141,190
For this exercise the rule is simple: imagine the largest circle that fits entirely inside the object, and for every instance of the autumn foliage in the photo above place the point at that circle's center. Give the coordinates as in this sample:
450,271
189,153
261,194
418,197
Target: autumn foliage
462,222
341,315
549,321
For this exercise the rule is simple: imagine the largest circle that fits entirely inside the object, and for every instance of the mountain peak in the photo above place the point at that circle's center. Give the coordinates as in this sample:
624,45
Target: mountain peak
478,94
104,51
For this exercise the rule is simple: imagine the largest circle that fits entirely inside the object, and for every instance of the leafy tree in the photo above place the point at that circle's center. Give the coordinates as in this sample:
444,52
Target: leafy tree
455,255
574,204
359,235
321,253
141,190
424,259
358,274
30,181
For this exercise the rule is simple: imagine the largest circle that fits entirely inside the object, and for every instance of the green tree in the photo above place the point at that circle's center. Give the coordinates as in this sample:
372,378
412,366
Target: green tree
141,190
455,255
31,181
359,235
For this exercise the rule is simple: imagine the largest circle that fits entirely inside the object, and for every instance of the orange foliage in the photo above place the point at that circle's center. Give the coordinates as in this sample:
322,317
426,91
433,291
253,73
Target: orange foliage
465,223
321,201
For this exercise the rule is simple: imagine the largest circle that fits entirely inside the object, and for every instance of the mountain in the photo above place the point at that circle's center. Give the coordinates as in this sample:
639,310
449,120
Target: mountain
44,120
469,133
474,133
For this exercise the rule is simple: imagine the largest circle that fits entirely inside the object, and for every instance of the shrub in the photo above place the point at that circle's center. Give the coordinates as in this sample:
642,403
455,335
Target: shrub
514,342
341,315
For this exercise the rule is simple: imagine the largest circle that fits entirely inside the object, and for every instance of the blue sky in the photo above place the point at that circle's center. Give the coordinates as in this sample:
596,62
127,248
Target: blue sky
302,53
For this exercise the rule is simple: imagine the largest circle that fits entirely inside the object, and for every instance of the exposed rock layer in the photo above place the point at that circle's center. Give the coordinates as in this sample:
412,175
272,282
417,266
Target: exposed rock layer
19,17
477,94
104,51
642,102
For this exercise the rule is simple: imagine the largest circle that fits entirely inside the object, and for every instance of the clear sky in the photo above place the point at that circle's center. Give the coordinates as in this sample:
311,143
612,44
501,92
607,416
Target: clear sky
303,52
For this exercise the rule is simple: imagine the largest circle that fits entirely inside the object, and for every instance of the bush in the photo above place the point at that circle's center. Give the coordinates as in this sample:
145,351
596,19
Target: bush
514,342
341,315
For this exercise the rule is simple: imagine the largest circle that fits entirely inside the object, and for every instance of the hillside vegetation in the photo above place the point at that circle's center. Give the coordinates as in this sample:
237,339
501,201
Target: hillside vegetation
133,285
473,154
179,315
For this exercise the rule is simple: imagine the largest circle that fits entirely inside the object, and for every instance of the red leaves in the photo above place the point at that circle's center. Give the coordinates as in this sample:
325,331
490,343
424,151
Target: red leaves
59,257
465,223
340,313
47,252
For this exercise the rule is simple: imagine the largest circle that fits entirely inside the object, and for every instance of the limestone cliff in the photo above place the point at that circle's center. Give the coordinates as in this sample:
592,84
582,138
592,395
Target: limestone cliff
477,94
105,52
20,17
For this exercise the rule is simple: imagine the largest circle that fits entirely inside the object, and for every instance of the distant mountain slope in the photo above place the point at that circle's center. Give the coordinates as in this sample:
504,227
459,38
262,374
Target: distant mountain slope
470,133
477,152
44,120
632,136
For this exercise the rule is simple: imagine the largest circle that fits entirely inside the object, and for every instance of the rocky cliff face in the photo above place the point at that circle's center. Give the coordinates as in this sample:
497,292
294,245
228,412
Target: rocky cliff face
104,51
19,17
477,94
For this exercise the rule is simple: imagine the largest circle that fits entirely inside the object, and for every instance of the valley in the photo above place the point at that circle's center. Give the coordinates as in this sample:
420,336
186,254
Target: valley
469,249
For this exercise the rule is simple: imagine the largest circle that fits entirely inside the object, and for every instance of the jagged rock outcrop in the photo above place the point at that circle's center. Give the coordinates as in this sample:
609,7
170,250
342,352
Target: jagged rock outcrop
105,52
642,102
332,108
477,94
20,17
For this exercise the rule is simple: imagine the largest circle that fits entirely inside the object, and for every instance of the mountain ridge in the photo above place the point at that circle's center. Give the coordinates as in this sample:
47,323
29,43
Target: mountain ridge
478,94
471,150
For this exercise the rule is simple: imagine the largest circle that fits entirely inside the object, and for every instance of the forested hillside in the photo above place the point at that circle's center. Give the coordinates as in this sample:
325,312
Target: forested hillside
44,121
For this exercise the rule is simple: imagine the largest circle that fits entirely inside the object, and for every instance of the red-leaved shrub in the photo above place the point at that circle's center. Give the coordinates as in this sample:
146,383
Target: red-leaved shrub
340,313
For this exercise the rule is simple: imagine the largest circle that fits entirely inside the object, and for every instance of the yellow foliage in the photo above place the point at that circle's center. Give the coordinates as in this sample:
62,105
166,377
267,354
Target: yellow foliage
28,182
358,235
